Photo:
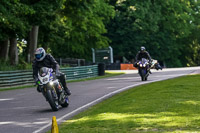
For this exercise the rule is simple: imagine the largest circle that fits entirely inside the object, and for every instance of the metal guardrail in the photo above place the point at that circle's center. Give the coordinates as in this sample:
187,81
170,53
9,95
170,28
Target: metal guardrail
23,77
71,62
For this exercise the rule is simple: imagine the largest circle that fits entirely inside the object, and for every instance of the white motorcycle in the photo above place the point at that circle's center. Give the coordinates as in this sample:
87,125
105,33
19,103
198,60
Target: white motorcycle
52,89
156,65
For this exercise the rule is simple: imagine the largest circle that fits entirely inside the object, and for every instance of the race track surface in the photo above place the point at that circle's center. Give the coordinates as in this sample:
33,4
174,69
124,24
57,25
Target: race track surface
26,110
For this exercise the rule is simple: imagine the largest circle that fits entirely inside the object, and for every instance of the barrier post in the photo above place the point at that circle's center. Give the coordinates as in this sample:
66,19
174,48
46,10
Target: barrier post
54,126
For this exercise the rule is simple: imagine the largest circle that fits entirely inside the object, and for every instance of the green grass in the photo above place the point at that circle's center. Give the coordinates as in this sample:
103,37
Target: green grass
161,107
17,87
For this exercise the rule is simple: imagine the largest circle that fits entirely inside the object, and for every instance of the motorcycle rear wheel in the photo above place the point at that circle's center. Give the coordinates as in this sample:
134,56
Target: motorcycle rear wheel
66,103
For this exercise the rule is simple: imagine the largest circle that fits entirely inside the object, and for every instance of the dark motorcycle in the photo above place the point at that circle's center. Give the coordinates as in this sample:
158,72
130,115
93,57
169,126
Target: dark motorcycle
143,68
52,89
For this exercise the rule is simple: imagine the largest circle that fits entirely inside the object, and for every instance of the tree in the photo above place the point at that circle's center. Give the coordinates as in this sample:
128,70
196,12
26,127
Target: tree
191,48
85,23
67,28
134,25
160,26
13,25
174,26
44,12
13,53
4,50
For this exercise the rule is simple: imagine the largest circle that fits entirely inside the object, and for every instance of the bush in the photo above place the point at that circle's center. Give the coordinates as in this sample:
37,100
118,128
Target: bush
6,66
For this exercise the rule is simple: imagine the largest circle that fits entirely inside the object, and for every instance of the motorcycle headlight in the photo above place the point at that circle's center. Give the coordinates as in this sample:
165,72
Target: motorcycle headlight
45,79
144,65
140,65
51,83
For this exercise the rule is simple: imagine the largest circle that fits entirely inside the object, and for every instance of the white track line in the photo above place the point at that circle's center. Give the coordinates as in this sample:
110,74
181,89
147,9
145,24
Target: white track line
100,99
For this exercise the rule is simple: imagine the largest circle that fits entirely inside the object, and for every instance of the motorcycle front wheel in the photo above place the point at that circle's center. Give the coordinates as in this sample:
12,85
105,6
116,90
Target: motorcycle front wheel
52,101
143,75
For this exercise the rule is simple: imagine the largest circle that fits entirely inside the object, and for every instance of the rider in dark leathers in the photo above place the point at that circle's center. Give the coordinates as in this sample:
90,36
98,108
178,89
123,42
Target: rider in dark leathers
142,54
46,60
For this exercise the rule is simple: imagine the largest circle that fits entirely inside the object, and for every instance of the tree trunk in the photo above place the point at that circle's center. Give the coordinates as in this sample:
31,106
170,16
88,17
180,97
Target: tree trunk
4,49
13,53
33,36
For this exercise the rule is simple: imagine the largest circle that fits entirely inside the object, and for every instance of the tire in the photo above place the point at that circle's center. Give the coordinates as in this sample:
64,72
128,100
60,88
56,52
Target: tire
66,103
142,78
53,103
143,73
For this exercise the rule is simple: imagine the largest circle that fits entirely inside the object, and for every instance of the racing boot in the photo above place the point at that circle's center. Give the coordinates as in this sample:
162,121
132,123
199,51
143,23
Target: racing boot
68,92
150,72
64,84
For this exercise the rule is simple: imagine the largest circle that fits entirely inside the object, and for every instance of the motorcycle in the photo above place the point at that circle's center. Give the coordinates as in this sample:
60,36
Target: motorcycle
52,89
143,68
156,65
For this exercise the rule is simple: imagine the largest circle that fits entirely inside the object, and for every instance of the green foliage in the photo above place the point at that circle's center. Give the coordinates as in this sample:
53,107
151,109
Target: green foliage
6,66
161,26
12,20
85,22
191,48
70,28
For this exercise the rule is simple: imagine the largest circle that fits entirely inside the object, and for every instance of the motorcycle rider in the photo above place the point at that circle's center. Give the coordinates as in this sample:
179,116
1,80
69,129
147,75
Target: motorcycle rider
46,60
142,54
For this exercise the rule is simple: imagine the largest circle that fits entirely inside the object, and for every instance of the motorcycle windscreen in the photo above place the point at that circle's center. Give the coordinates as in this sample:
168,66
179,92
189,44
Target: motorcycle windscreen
144,60
43,71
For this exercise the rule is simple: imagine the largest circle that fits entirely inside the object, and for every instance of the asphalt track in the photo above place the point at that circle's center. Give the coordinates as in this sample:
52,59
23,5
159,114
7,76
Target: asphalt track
26,110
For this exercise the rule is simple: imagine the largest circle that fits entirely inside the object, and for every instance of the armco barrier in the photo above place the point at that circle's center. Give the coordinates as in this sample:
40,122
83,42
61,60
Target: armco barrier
22,77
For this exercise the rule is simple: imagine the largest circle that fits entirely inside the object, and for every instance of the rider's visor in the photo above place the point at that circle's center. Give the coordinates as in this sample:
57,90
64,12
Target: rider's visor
38,56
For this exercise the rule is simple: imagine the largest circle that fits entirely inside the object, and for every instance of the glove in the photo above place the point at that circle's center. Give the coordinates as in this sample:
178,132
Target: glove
135,64
37,81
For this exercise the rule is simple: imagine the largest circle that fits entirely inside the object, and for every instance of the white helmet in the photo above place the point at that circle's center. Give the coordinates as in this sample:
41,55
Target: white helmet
142,48
40,54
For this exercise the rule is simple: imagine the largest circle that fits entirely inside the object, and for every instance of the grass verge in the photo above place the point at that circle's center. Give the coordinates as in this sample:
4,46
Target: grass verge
107,74
161,107
15,88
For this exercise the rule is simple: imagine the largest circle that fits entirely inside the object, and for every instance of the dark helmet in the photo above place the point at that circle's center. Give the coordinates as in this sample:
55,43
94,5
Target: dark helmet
142,49
40,54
